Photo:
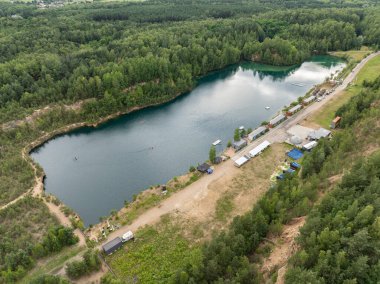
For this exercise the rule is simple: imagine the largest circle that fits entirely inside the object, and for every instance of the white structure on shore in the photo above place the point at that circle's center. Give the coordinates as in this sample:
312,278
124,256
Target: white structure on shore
241,161
258,149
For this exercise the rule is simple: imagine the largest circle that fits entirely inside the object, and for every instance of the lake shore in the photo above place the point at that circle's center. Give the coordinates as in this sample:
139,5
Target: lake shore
75,126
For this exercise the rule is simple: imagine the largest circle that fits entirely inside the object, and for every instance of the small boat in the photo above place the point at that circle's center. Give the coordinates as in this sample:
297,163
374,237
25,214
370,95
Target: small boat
267,108
217,142
241,127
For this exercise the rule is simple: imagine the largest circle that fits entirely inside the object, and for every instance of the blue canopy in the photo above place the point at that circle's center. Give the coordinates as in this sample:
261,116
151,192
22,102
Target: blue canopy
295,154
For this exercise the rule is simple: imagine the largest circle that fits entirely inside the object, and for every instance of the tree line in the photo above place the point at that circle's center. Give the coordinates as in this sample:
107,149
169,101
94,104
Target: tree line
76,56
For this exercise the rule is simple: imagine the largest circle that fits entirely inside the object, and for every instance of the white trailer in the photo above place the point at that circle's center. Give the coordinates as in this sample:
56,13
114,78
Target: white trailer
256,151
241,161
310,145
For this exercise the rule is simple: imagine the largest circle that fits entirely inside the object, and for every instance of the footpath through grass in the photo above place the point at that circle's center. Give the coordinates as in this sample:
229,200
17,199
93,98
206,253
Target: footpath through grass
52,263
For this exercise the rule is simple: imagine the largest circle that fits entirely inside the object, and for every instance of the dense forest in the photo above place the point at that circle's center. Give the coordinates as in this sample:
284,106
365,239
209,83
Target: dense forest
339,242
126,55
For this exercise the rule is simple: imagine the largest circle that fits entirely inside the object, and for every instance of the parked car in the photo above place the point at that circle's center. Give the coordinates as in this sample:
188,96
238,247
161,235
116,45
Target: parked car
127,236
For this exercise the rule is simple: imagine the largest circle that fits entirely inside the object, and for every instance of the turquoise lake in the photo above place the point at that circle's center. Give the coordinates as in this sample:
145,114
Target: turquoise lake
93,170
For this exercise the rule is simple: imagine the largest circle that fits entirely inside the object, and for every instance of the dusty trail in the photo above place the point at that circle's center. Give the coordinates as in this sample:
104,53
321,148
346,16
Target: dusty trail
180,202
285,246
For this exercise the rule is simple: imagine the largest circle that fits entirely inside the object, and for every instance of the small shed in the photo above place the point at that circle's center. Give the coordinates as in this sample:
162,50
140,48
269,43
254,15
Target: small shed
277,120
257,133
335,123
241,161
318,134
309,100
112,246
293,110
238,145
203,168
218,160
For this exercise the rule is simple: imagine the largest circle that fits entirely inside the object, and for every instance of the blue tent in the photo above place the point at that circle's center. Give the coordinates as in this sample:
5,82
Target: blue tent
295,165
290,171
295,154
281,176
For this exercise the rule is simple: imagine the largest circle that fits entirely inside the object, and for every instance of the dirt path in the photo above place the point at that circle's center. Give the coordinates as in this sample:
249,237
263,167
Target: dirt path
178,202
37,191
285,246
38,112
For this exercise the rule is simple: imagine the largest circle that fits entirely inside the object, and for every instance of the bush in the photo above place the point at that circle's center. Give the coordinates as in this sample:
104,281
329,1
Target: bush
88,264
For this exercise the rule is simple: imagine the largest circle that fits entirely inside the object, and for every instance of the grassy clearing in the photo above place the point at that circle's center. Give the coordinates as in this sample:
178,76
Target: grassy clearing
324,115
52,263
370,71
356,55
155,255
224,207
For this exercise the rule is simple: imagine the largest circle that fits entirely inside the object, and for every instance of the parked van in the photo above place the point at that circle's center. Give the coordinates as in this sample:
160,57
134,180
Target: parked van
127,236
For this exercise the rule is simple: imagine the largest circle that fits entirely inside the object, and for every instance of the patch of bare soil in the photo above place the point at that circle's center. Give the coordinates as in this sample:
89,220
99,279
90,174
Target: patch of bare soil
200,211
38,112
244,187
335,179
229,152
307,123
285,246
281,275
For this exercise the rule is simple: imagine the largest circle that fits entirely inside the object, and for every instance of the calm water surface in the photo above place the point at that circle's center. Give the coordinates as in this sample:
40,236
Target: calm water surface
126,155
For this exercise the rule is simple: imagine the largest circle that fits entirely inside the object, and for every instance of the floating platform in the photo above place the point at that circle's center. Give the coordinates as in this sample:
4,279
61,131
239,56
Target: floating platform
298,84
217,142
